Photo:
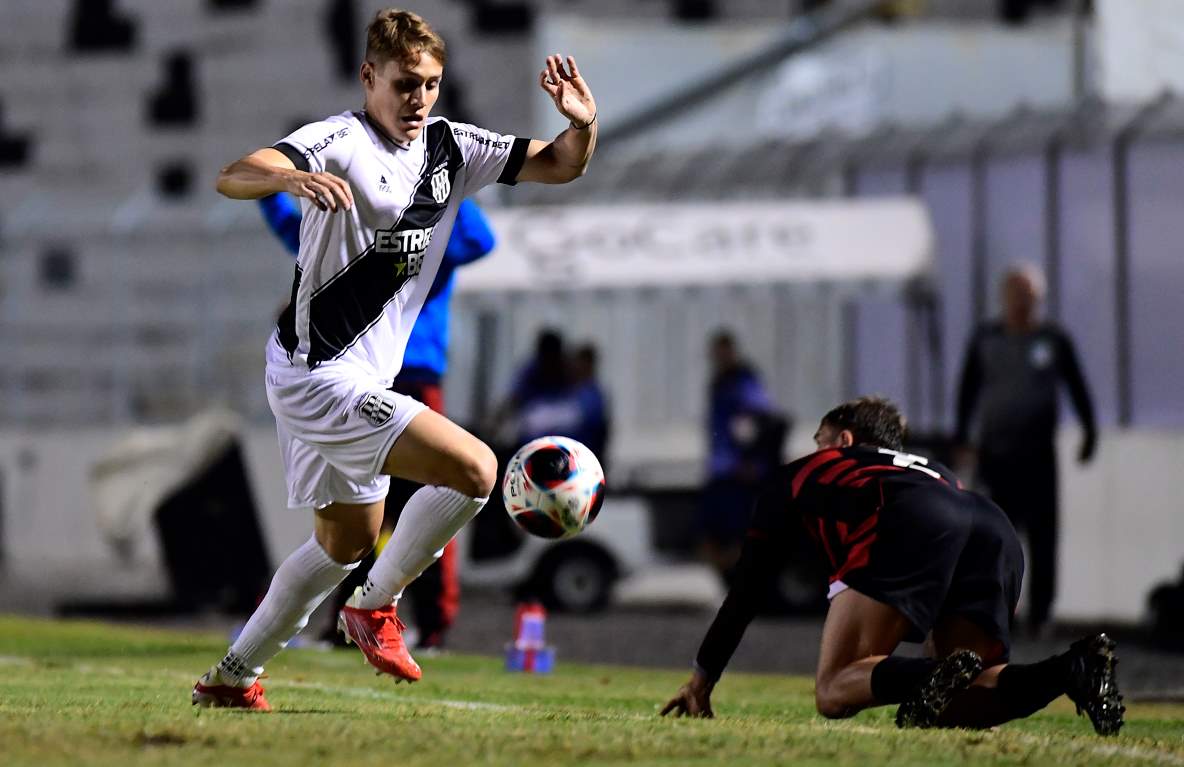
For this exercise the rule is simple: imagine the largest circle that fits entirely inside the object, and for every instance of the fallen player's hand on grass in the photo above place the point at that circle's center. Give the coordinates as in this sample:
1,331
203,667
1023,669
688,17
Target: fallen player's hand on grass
693,699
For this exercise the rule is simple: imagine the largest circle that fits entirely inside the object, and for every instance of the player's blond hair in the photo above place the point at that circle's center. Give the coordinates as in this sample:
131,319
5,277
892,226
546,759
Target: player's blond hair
403,36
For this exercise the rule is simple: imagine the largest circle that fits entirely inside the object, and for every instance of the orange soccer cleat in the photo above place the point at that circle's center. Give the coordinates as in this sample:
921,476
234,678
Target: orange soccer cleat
211,691
379,635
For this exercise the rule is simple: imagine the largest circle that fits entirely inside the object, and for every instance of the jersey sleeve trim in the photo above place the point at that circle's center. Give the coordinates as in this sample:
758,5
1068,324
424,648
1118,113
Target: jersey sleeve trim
298,158
514,162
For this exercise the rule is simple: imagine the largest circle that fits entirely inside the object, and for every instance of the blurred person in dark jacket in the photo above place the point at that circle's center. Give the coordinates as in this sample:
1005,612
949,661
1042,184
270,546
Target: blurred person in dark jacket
1013,368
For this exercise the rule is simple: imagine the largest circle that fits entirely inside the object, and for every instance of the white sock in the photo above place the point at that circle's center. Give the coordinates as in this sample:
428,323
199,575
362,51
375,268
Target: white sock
303,581
432,517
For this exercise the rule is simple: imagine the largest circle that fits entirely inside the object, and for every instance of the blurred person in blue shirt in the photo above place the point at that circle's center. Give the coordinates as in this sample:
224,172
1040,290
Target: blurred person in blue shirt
556,394
540,401
436,594
744,433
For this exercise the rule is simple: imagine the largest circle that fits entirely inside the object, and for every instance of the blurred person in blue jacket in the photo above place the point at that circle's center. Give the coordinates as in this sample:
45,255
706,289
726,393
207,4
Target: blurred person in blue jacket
436,594
555,393
744,434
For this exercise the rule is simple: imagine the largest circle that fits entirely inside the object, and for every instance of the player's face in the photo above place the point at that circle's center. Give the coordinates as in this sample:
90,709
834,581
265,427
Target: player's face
400,97
1020,299
723,355
828,436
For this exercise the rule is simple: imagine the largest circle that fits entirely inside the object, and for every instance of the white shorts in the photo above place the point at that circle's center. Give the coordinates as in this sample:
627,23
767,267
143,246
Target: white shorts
335,430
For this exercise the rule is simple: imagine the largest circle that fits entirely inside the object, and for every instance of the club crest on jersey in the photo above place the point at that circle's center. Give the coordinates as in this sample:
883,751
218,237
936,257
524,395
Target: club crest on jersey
441,184
377,408
1041,354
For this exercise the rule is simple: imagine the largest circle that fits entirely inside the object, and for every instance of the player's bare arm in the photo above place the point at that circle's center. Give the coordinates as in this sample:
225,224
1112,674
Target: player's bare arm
566,157
268,171
693,698
757,561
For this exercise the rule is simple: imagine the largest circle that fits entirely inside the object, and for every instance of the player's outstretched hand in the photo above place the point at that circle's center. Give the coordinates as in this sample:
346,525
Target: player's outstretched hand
693,699
327,192
568,90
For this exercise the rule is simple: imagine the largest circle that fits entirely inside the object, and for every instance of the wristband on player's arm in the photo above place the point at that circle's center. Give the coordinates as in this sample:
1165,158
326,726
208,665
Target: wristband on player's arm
586,125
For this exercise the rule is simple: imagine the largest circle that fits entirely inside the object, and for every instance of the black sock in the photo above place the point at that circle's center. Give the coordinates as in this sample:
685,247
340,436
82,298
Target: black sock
895,680
1027,688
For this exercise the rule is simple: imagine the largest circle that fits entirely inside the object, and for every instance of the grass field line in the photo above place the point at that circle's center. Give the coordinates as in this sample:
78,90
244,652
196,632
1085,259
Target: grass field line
1101,750
348,691
370,692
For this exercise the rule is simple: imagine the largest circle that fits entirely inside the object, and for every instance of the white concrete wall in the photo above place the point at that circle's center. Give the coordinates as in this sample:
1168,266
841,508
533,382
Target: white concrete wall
1122,526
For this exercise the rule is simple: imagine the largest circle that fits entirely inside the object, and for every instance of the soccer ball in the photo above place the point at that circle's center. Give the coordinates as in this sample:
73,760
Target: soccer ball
553,487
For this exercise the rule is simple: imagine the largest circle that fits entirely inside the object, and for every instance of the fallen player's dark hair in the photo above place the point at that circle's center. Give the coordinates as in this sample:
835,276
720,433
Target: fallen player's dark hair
875,421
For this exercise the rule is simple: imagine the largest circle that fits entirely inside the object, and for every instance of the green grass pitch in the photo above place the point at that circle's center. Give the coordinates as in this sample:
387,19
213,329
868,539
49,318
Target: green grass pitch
76,693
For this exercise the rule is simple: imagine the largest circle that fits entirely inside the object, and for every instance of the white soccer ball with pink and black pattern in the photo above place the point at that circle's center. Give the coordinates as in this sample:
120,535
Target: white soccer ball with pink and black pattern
553,487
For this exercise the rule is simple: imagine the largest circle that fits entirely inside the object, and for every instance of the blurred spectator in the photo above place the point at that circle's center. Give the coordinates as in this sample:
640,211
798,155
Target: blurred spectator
540,401
557,394
1010,376
745,434
594,418
436,593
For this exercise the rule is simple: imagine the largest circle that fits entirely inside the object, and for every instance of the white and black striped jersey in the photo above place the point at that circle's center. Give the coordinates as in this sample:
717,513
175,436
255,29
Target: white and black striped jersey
362,274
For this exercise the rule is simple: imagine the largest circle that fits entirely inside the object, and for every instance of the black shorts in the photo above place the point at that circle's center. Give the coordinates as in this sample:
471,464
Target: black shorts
940,552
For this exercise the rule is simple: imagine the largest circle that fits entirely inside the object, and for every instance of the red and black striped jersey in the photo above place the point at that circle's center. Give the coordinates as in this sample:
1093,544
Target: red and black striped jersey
837,495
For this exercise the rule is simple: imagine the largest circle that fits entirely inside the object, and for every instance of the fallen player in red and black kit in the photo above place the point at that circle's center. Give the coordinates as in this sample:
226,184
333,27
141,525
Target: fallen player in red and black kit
912,555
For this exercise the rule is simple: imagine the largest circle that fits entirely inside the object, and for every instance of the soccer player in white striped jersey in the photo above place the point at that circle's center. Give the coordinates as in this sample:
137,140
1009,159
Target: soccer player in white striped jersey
379,189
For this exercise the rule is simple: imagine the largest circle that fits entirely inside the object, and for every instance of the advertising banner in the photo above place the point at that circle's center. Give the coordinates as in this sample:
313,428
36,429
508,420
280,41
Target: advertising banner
703,243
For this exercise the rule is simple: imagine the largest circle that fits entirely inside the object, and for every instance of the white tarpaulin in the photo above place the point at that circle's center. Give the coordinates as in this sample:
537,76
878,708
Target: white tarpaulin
617,246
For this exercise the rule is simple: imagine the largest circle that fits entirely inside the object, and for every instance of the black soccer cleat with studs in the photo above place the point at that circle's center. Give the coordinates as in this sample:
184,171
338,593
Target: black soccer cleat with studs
953,674
1093,683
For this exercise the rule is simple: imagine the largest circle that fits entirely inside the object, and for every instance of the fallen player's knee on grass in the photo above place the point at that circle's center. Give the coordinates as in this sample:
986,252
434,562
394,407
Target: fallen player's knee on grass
830,705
